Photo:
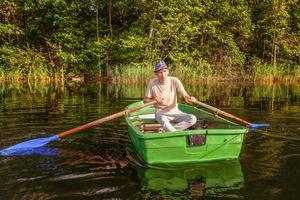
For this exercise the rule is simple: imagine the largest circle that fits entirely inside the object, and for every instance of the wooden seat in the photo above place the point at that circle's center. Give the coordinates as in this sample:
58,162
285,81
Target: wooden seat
151,128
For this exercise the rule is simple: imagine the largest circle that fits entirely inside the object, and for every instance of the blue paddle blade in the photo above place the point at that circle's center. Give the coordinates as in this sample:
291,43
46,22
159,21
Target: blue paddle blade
259,125
42,151
26,146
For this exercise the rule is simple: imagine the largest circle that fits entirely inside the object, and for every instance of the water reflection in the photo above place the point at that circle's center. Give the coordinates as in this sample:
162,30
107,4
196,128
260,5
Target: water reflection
96,163
204,179
248,95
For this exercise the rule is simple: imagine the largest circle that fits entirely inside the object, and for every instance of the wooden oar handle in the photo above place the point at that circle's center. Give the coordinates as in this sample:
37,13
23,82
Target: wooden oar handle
105,119
221,112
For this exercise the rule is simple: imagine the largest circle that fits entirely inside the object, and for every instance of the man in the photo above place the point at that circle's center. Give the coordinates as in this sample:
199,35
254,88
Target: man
164,90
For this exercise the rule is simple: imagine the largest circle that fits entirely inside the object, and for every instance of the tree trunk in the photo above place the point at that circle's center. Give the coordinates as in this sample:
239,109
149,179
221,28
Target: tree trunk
274,49
108,61
150,34
98,38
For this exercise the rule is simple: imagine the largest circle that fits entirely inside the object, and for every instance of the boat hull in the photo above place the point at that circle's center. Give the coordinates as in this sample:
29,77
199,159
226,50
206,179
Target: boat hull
216,142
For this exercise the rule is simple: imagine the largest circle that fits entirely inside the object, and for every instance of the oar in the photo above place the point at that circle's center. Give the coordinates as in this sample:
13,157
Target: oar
39,142
218,111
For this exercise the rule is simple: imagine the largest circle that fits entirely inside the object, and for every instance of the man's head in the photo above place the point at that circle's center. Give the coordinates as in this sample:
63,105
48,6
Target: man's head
160,65
161,71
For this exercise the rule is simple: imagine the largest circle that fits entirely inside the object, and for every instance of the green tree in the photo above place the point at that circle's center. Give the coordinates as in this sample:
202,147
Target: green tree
10,30
273,36
190,33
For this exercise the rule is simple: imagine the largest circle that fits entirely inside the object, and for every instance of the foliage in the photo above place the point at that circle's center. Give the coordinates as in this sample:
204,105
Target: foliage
20,64
199,39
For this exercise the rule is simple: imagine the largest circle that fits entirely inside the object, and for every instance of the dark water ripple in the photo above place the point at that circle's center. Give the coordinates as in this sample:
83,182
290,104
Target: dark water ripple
99,163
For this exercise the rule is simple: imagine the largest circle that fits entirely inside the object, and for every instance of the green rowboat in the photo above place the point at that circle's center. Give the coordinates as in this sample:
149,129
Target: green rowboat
212,138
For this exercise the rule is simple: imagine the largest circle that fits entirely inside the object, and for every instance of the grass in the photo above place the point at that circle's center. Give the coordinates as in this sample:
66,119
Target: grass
133,73
276,73
195,73
138,72
32,66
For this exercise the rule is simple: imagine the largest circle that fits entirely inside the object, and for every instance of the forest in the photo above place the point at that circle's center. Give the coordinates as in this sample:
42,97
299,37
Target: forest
121,39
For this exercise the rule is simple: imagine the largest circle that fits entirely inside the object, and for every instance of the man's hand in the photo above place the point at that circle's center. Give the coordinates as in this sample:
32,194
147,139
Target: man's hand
189,99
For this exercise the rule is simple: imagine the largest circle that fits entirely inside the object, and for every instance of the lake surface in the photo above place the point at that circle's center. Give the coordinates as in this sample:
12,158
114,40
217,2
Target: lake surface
99,163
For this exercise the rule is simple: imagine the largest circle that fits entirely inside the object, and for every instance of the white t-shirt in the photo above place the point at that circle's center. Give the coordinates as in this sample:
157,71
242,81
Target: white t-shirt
168,91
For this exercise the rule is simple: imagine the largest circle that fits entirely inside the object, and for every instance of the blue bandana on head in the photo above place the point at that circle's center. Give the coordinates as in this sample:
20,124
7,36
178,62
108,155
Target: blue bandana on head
160,65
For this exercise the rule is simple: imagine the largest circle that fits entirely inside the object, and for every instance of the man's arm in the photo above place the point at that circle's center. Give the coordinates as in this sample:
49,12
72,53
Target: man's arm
147,99
186,96
157,99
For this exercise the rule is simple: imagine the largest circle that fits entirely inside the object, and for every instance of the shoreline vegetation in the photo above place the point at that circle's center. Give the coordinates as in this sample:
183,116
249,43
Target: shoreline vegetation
118,41
139,73
270,79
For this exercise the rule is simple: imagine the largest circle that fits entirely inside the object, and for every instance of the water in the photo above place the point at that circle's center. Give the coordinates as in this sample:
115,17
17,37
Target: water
99,163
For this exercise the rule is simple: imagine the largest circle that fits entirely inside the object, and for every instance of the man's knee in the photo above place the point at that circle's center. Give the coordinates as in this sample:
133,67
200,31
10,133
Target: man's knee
193,119
160,118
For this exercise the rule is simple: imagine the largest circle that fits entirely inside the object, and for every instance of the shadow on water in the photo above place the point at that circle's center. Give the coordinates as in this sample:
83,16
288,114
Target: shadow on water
99,164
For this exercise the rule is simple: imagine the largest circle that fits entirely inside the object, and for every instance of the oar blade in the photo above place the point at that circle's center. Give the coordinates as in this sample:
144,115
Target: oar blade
259,125
41,151
27,146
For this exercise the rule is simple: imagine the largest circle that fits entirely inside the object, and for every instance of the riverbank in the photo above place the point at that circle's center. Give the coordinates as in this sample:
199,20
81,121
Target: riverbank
135,74
144,78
